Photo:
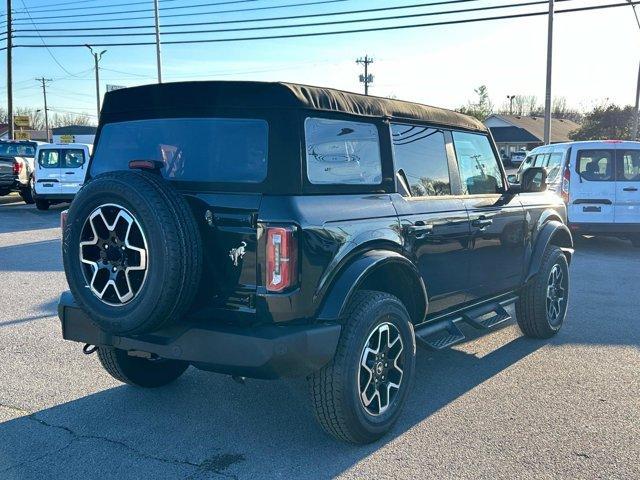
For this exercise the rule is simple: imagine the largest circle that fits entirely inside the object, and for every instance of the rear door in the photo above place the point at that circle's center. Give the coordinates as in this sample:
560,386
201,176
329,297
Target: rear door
434,222
48,171
627,200
72,170
593,193
496,217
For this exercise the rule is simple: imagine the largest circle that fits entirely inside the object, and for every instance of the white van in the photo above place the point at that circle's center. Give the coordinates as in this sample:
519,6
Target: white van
60,171
599,181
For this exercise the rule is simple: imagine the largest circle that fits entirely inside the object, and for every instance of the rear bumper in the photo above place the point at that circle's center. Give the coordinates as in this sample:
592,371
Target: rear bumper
605,228
267,351
58,197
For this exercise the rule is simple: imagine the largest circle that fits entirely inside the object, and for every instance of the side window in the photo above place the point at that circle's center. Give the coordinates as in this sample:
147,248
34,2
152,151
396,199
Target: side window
49,159
554,166
72,158
342,152
420,159
478,165
541,160
628,165
595,165
526,163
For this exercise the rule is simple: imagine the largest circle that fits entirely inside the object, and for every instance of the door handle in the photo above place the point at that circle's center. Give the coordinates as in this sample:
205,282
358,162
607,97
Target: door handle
420,230
69,173
630,189
482,223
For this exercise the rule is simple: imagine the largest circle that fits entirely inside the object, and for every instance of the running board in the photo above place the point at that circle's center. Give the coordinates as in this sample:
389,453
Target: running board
444,333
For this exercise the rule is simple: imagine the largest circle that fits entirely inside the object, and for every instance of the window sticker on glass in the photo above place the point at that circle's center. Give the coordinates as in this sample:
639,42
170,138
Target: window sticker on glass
342,152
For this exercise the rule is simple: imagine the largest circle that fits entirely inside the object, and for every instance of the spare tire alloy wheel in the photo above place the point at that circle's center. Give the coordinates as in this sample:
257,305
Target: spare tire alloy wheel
113,250
381,369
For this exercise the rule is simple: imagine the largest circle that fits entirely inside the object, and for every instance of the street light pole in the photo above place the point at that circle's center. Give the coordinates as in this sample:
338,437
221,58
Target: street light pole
96,58
156,11
547,97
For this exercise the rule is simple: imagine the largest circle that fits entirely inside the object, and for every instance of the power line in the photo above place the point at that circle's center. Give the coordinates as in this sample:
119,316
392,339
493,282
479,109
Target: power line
343,32
319,24
253,9
41,10
267,19
121,12
45,45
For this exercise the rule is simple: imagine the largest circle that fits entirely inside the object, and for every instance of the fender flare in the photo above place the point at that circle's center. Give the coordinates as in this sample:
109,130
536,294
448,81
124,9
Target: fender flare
553,232
351,277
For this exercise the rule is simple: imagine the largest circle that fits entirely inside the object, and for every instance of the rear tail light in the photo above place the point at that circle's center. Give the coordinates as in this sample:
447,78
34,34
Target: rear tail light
282,258
566,179
17,168
63,219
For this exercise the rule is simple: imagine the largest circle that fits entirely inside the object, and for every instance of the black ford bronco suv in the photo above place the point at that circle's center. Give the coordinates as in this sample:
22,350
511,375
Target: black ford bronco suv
275,230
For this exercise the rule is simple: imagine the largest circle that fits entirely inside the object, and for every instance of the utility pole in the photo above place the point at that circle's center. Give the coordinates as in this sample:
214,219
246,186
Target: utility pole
96,57
636,122
511,98
9,70
156,11
547,96
367,78
43,81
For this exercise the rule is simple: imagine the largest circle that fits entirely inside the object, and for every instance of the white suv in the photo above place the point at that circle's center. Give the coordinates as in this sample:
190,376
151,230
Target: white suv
59,172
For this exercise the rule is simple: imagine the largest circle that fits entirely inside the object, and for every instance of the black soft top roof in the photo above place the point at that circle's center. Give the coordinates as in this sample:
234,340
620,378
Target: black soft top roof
191,98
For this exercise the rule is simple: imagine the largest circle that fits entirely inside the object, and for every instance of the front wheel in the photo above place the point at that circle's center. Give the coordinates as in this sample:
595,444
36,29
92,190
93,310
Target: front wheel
359,396
542,306
137,371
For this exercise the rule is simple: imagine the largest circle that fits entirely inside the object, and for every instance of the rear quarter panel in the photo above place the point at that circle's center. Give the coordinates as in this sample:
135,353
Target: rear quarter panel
333,229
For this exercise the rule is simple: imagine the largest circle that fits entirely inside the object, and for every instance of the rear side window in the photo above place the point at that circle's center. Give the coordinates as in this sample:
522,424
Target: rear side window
72,158
595,165
191,149
541,160
49,159
628,162
342,152
478,165
420,159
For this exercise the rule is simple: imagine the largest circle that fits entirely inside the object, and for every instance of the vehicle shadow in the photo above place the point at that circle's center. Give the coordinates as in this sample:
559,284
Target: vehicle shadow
209,424
42,311
43,256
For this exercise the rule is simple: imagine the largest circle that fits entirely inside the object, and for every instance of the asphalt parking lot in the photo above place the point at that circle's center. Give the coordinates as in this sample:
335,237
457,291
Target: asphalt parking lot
498,406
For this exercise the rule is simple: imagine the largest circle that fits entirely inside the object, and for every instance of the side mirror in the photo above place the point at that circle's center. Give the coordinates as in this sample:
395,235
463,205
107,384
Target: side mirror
512,179
534,179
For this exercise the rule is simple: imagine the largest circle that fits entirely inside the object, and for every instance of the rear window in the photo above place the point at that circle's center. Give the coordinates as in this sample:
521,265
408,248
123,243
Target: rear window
72,158
49,158
595,165
628,165
342,152
191,149
17,149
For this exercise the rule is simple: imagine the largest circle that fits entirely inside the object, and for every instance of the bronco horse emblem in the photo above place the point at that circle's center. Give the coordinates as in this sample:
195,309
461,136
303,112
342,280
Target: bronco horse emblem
237,253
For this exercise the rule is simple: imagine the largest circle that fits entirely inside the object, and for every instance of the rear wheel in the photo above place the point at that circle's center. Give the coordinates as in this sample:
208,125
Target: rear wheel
42,204
542,306
27,193
359,396
137,371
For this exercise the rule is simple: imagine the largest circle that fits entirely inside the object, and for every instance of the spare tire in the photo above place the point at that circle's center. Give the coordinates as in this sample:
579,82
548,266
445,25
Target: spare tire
132,252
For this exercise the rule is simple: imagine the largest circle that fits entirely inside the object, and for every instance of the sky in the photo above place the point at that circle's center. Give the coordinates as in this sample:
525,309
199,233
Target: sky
595,57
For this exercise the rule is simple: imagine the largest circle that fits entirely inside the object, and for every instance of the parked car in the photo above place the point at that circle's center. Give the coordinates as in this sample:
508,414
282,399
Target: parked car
19,155
59,172
276,230
600,182
517,157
